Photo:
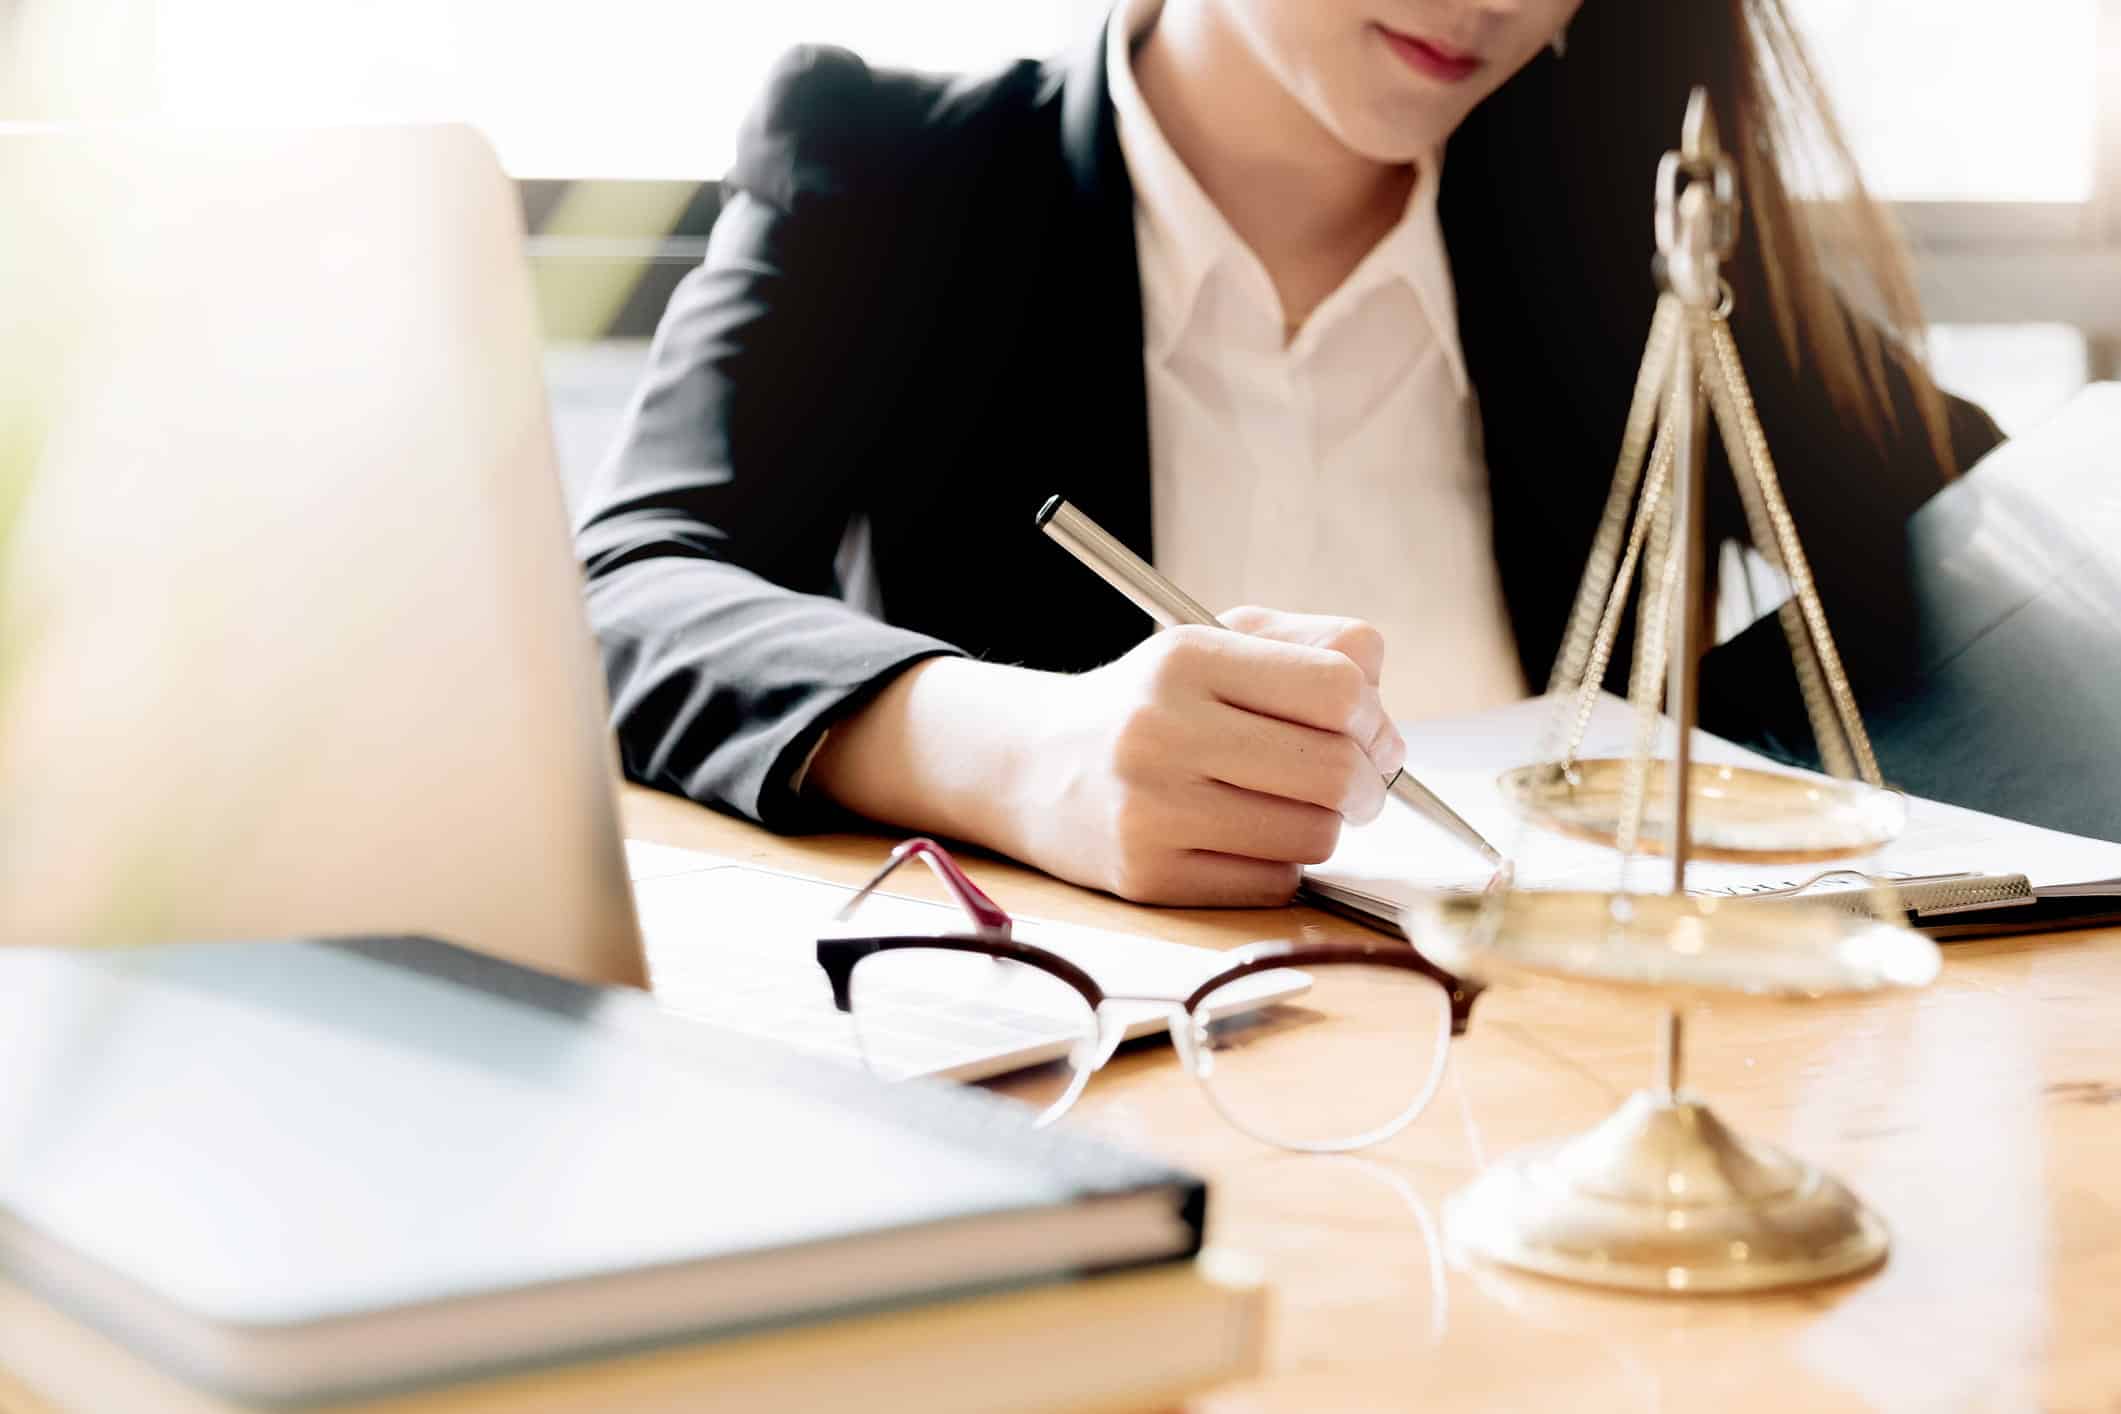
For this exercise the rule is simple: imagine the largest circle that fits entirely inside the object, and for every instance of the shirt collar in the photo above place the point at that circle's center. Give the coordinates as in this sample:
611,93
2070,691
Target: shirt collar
1183,239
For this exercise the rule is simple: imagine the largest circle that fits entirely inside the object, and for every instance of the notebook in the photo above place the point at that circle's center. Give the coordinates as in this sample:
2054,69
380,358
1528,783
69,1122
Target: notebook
1161,1333
292,1171
1967,874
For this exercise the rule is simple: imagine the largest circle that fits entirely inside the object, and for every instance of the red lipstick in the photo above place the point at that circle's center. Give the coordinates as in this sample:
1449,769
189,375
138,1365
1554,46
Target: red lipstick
1427,57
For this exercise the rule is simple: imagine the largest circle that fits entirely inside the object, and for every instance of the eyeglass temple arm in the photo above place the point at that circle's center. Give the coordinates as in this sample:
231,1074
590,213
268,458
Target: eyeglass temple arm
988,918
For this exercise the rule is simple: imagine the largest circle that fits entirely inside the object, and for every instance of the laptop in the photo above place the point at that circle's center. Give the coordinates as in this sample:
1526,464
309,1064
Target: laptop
293,640
294,644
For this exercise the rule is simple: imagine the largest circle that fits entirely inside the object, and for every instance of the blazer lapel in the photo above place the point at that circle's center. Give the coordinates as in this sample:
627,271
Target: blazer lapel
1101,352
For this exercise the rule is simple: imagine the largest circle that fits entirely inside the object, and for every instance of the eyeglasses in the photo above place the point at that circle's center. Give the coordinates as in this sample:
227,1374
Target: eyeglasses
1317,1047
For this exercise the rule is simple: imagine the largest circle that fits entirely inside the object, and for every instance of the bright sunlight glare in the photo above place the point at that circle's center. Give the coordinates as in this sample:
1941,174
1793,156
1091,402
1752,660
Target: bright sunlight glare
1939,108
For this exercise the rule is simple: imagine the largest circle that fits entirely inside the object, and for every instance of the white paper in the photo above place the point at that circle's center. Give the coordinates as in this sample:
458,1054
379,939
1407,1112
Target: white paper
1400,855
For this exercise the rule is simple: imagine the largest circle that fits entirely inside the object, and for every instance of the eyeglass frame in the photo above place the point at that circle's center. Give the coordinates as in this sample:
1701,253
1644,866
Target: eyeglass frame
839,954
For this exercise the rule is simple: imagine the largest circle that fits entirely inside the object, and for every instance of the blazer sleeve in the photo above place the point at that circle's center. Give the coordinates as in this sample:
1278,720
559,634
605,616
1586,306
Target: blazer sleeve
709,535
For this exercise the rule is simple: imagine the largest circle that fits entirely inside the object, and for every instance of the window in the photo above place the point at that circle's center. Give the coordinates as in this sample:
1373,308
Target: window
1957,102
1943,104
1995,132
619,89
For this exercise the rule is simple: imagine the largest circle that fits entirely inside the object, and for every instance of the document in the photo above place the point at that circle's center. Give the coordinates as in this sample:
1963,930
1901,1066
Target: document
1384,865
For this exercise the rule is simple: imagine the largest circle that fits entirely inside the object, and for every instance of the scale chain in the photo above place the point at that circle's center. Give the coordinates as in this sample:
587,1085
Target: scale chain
1834,750
1593,675
1734,401
1650,379
1652,641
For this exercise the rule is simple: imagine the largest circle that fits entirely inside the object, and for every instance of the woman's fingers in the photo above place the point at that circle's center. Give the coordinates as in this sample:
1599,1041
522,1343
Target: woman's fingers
1193,878
1211,843
1227,820
1271,757
1353,638
1299,683
1206,766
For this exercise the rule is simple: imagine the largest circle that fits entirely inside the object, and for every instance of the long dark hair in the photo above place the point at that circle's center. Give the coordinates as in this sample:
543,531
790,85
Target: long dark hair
1547,201
1569,149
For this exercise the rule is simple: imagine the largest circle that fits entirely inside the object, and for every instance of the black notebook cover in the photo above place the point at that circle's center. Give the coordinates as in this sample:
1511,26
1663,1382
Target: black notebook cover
290,1170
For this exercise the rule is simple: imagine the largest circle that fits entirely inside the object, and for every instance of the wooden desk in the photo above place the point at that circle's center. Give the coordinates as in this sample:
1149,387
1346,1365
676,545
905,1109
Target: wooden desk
1981,1117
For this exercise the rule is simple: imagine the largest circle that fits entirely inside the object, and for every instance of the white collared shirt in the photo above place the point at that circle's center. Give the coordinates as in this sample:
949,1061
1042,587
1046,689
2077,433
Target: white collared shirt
1338,473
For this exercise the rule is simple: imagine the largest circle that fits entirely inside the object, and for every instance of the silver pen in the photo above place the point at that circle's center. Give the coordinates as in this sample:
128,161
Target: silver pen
1165,602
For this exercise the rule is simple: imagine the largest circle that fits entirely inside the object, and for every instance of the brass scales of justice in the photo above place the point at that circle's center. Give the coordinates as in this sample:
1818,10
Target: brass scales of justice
1662,1195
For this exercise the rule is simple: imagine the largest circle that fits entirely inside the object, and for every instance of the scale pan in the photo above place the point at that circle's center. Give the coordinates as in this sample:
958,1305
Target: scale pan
1738,813
1678,946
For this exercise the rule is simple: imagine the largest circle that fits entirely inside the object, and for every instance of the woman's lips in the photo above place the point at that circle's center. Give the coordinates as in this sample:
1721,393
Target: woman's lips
1423,56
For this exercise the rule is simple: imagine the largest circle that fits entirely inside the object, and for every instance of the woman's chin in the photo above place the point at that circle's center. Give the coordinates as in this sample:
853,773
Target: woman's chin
1397,129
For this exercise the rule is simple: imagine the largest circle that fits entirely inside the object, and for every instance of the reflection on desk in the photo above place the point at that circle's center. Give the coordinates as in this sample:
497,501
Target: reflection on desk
1981,1117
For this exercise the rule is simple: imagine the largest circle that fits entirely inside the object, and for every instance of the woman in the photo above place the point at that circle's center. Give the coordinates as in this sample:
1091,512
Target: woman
1320,304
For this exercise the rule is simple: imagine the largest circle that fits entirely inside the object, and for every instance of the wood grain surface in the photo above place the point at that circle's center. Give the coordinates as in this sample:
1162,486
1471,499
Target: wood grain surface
1981,1117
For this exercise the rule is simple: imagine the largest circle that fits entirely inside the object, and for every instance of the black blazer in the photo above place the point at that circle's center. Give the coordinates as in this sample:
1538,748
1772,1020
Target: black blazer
920,307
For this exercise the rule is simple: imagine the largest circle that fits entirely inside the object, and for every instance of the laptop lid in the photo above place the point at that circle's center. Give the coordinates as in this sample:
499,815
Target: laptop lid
292,637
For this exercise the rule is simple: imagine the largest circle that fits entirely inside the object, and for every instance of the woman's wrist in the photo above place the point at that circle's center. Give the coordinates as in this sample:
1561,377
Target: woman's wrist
942,749
1205,766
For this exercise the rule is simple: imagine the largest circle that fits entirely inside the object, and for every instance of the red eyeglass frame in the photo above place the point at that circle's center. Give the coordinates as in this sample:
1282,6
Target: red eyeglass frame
838,955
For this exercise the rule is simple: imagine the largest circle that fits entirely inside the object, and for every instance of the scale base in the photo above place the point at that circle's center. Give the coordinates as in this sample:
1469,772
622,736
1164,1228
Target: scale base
1661,1196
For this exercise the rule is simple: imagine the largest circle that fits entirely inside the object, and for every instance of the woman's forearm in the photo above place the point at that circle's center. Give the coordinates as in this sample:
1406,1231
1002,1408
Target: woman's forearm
941,750
1205,767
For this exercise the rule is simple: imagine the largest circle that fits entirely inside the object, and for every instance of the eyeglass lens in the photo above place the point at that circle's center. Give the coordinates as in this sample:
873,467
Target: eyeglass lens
1326,1056
1344,1055
916,1008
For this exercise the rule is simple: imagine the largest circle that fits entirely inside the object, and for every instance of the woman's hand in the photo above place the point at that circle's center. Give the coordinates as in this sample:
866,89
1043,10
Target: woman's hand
1207,766
1210,765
